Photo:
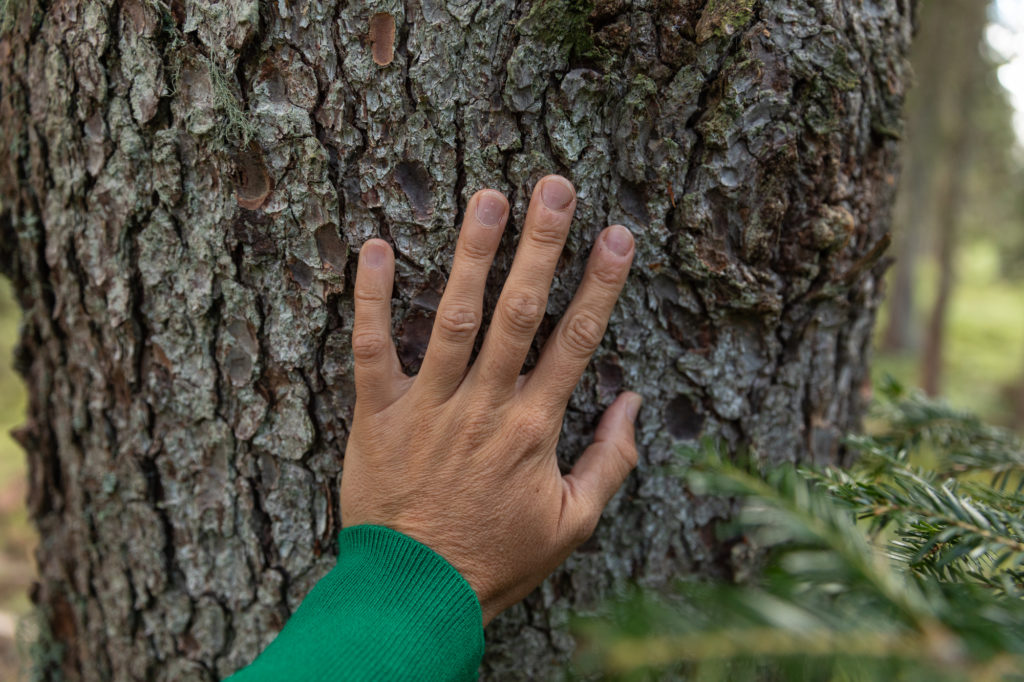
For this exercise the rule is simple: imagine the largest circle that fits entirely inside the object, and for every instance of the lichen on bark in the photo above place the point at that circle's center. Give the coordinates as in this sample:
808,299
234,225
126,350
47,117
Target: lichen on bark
184,185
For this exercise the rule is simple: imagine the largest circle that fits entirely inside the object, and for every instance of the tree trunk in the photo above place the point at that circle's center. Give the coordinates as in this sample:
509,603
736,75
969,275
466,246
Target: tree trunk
183,187
1015,397
914,211
961,25
900,334
950,203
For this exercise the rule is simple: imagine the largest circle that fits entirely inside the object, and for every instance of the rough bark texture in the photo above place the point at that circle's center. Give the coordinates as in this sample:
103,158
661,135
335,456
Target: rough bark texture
184,185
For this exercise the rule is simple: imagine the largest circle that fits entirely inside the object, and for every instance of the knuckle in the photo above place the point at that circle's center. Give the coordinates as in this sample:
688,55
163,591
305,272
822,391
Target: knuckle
458,323
583,333
550,232
586,527
532,427
522,313
475,427
368,295
368,345
627,454
475,250
608,275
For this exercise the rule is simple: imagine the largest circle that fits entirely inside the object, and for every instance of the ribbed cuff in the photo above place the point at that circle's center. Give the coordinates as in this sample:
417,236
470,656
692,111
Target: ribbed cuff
415,596
391,609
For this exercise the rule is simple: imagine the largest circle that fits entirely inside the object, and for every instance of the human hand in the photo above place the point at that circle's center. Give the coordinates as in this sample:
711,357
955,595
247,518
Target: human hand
464,461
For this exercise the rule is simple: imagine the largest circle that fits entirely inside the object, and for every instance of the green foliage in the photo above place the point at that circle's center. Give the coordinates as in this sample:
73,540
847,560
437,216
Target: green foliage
960,440
890,570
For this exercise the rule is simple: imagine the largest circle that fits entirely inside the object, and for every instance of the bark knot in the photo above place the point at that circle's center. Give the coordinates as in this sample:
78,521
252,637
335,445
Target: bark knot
254,183
382,38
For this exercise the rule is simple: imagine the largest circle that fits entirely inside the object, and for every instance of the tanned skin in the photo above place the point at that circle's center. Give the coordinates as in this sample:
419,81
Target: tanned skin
462,458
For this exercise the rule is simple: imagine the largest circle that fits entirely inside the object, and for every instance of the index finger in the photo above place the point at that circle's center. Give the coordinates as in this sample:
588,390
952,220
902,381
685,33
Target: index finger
376,363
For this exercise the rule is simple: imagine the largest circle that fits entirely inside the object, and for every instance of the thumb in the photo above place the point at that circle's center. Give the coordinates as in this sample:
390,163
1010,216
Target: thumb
604,465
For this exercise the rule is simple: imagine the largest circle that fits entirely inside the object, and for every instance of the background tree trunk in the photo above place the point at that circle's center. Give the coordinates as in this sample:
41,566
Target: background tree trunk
953,99
183,186
914,212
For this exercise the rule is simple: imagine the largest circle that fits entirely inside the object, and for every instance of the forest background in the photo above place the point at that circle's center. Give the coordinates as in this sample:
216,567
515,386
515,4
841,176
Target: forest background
953,323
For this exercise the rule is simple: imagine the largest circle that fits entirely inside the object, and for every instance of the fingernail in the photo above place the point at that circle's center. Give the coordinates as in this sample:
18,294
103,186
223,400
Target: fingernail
374,255
489,208
556,193
619,240
633,403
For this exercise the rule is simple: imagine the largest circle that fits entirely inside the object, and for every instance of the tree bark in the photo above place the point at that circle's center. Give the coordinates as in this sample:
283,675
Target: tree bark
184,184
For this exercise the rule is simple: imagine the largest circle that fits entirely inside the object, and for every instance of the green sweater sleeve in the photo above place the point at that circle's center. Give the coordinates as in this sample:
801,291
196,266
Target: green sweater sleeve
391,609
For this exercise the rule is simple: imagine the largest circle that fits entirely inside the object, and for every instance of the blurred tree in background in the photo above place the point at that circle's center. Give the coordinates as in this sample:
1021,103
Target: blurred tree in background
959,203
17,535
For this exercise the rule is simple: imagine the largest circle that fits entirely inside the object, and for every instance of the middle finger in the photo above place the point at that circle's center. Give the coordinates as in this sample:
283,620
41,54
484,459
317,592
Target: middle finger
524,297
